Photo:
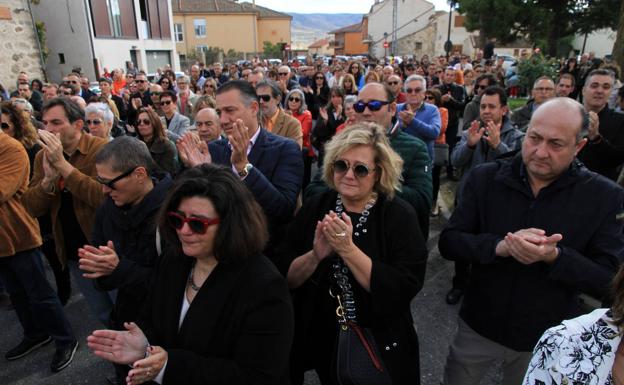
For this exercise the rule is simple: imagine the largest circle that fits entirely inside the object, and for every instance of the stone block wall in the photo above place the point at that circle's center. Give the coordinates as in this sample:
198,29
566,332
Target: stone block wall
18,44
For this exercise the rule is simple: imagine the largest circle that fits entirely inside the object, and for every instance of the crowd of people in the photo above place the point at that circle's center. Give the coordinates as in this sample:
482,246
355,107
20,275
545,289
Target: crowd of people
235,224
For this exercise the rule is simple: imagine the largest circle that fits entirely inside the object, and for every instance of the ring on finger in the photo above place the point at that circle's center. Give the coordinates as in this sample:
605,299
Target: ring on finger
342,234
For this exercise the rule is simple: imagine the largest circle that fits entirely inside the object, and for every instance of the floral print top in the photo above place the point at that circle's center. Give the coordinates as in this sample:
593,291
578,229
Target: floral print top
580,351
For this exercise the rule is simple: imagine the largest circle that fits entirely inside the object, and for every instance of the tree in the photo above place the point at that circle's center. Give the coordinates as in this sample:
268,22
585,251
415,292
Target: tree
271,50
548,21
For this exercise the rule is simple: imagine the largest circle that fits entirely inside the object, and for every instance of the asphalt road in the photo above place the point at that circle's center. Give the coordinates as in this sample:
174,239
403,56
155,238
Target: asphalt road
434,320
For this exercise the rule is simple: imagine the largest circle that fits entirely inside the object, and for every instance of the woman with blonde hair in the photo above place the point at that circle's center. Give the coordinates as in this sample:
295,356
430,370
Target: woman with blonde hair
357,245
347,83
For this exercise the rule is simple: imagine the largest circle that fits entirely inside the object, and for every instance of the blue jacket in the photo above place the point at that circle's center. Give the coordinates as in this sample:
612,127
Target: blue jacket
277,174
425,125
513,303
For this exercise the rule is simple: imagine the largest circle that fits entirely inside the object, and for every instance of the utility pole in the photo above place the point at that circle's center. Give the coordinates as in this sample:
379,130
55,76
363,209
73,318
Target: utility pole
394,27
448,46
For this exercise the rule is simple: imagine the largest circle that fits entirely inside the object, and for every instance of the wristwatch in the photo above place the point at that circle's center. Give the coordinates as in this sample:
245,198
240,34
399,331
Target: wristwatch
245,171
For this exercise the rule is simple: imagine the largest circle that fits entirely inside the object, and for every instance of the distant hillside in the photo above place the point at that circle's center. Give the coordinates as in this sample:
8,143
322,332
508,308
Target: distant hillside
309,27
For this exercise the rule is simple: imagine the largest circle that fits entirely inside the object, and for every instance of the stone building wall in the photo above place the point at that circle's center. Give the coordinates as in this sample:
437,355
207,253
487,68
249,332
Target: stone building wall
18,44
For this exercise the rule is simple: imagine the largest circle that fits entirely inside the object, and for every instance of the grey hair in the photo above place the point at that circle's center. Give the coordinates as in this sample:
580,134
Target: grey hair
185,78
601,72
102,109
413,78
27,106
124,153
303,106
350,100
276,92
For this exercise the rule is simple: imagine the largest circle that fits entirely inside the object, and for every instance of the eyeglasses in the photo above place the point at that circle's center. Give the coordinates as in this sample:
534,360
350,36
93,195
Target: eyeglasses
140,81
197,225
359,170
283,73
429,97
393,83
165,102
291,99
264,98
413,90
5,126
145,122
94,122
480,86
373,105
72,81
111,183
209,86
319,78
156,93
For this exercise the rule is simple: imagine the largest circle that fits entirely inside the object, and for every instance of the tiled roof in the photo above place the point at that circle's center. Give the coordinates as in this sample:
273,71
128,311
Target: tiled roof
222,6
319,43
357,27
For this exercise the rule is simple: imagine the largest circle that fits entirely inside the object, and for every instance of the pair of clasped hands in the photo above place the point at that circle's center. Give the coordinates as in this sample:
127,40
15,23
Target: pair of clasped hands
528,246
193,151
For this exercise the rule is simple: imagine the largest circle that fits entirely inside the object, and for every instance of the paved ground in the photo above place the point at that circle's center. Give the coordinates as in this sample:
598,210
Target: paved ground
434,320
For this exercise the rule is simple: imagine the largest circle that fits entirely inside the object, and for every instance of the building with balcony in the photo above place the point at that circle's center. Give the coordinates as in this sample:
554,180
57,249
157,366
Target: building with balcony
228,25
98,34
348,40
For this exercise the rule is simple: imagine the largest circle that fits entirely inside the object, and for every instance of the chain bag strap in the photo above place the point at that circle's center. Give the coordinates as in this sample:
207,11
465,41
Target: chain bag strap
357,360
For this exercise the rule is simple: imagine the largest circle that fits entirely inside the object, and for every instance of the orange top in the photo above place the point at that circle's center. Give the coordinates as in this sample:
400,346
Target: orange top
444,123
118,85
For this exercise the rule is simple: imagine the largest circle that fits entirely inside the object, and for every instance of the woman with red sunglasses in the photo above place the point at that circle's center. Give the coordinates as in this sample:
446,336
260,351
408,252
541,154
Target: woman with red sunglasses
218,310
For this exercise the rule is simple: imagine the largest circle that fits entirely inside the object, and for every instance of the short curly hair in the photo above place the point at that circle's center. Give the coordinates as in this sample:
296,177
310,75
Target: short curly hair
387,161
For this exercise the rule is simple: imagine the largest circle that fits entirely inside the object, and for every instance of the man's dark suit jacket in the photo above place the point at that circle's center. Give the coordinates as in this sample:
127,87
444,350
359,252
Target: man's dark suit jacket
277,173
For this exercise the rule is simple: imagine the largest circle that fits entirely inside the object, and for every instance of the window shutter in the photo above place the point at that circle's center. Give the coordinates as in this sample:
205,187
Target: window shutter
99,15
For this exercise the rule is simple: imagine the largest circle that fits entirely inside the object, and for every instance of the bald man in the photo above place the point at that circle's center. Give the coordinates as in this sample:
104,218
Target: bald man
536,237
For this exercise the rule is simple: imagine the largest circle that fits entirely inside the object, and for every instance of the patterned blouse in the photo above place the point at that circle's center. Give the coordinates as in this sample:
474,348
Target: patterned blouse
580,351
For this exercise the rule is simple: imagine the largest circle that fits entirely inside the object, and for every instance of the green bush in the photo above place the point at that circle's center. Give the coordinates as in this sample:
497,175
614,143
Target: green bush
534,67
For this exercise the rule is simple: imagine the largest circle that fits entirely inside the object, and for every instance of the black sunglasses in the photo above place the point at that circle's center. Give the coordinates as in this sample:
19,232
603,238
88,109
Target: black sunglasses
291,99
264,98
95,122
5,126
140,81
393,83
165,102
146,122
373,105
359,170
197,225
111,183
319,78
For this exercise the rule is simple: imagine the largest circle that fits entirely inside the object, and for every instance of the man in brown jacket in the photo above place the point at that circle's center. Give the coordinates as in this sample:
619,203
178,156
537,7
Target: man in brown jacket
274,119
21,268
64,185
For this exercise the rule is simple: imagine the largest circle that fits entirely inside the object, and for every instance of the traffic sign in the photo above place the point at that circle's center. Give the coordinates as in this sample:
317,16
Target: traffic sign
386,45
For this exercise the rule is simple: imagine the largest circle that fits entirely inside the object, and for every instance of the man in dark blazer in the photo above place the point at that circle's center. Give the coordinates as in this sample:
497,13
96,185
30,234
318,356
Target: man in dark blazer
270,165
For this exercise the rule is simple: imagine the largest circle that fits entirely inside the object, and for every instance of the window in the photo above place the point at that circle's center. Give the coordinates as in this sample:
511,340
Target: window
200,27
61,58
178,32
201,49
114,17
418,45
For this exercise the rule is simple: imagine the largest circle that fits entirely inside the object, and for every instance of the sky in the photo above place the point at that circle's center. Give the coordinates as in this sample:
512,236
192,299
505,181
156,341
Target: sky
329,6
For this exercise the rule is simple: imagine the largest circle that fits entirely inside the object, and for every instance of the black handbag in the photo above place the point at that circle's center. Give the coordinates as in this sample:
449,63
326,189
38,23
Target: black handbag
356,357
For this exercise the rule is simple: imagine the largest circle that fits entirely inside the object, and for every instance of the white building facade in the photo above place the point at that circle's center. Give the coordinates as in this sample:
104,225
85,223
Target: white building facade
98,34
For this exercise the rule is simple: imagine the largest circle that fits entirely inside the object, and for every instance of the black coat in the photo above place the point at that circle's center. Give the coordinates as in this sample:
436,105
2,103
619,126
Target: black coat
133,232
399,255
512,303
238,329
606,155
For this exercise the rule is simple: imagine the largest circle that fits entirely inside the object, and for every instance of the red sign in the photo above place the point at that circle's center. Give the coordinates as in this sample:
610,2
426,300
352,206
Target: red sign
386,45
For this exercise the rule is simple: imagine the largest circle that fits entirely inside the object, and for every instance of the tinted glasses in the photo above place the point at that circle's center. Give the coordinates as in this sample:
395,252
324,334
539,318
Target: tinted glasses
111,183
165,102
373,105
264,98
293,99
197,225
359,170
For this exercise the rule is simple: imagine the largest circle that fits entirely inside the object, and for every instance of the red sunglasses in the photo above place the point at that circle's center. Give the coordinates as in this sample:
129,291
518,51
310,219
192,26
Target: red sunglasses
197,225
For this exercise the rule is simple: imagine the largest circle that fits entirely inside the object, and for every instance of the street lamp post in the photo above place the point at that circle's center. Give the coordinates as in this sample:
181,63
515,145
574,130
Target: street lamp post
448,46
